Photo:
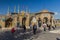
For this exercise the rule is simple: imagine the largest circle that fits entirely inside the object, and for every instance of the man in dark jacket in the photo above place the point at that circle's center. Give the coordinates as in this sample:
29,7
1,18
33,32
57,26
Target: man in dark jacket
34,28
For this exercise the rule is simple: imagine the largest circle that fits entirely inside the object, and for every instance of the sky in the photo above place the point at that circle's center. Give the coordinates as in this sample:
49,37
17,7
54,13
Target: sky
32,5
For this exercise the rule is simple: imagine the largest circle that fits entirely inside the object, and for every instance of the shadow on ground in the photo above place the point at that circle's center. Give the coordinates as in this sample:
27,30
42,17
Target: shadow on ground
18,35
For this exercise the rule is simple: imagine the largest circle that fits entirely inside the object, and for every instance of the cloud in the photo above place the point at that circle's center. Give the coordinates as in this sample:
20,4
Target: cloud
56,13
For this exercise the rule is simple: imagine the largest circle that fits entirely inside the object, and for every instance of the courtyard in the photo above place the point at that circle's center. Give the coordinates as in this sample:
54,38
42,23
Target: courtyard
28,35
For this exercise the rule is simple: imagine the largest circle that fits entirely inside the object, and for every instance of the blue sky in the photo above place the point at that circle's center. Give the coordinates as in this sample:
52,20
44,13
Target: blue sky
32,5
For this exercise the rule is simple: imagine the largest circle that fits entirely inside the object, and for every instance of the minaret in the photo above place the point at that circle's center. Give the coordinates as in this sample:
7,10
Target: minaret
14,9
8,12
23,12
26,10
18,9
18,14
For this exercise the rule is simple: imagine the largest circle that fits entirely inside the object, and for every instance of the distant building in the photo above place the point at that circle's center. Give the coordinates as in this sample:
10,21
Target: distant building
57,22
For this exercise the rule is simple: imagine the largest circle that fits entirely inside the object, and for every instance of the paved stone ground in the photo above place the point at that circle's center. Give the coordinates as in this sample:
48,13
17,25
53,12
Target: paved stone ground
49,35
20,35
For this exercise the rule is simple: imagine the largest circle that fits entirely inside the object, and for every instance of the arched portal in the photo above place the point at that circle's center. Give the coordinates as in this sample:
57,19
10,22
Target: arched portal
23,21
8,22
45,19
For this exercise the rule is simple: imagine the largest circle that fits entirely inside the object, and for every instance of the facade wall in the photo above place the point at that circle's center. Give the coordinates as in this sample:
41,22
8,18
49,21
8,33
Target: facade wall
27,20
41,16
48,15
20,19
2,21
14,22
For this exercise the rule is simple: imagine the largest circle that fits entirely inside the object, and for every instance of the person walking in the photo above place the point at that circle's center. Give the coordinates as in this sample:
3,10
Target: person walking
24,30
24,27
34,28
13,30
34,24
44,26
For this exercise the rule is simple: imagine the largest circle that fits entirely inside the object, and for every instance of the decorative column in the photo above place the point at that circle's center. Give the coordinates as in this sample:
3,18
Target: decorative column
20,19
52,20
14,20
27,20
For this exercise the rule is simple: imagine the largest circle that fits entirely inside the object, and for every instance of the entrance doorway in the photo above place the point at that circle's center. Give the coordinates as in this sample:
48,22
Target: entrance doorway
23,21
8,22
45,19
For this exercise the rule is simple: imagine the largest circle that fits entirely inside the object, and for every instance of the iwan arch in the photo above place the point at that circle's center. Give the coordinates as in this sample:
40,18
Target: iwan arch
23,18
46,16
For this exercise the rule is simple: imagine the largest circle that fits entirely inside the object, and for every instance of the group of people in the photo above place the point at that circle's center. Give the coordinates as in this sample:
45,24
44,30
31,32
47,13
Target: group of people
49,26
36,25
39,24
